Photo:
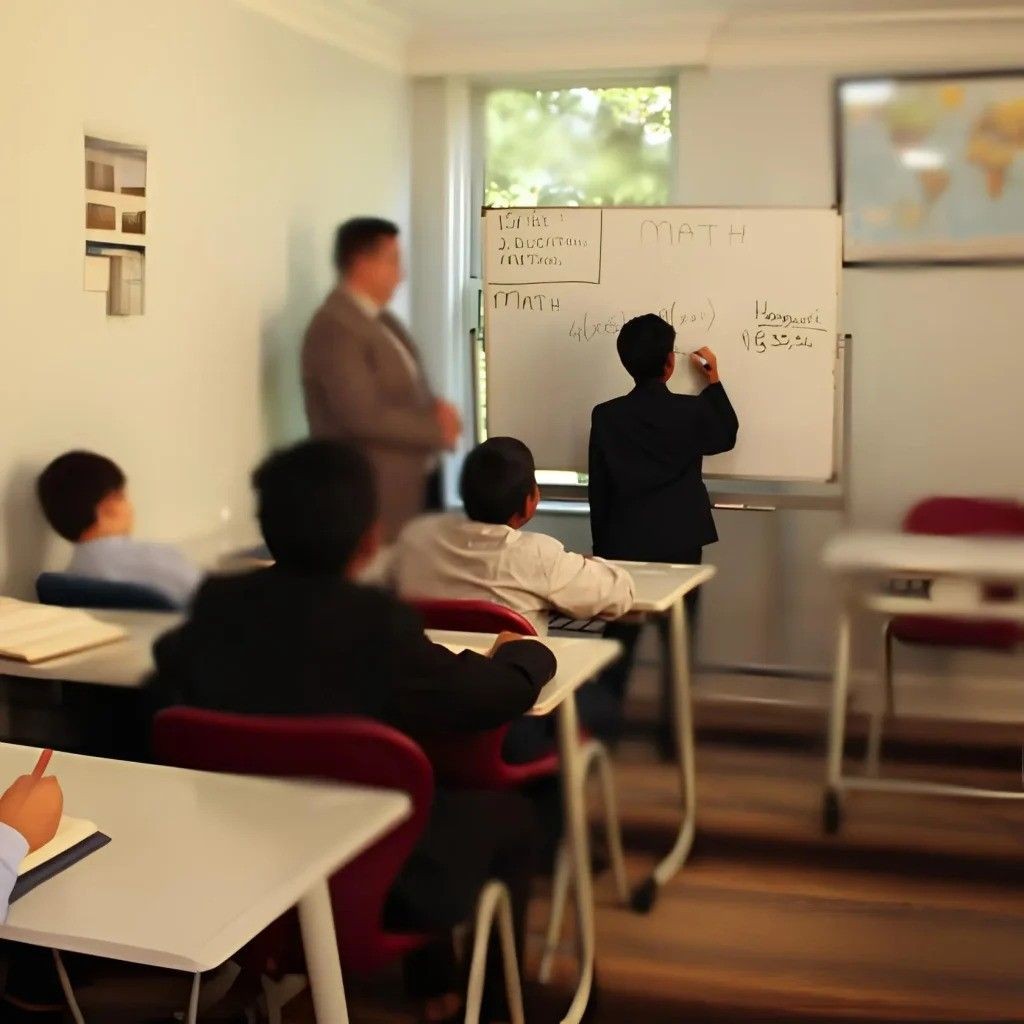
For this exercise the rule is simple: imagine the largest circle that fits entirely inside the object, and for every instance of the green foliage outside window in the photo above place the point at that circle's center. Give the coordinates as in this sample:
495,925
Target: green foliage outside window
578,147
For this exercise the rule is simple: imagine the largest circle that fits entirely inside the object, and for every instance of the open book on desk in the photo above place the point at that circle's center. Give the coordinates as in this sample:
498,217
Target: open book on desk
76,838
36,632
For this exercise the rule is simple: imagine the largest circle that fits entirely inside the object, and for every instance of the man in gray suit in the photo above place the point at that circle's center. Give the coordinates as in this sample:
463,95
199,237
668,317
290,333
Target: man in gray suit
362,377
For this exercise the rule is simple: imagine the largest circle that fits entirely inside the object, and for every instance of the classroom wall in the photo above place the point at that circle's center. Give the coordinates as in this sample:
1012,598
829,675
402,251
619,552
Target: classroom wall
260,141
938,365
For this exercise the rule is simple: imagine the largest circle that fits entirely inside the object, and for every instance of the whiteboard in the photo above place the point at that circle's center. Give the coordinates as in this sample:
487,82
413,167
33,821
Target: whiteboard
759,286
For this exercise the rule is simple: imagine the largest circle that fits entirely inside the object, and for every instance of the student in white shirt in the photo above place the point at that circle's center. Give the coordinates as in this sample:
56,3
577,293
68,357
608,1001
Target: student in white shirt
30,812
485,554
84,498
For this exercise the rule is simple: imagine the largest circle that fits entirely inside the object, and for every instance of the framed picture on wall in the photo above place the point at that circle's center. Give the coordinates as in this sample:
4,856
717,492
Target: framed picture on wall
930,168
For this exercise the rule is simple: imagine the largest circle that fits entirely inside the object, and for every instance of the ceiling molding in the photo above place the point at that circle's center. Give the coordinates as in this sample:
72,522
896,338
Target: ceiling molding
887,40
358,27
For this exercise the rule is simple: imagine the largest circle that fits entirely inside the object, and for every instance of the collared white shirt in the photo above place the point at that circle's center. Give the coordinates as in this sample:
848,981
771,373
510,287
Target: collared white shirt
450,556
126,560
373,311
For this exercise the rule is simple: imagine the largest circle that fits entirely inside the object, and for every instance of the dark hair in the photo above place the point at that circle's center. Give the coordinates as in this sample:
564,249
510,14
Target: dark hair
497,478
644,345
71,487
316,501
358,236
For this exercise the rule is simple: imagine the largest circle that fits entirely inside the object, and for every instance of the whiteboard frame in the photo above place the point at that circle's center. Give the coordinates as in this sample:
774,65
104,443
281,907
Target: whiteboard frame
740,492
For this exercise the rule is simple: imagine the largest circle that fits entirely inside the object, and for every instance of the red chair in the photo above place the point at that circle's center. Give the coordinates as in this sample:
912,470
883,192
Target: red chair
949,517
958,517
356,751
477,762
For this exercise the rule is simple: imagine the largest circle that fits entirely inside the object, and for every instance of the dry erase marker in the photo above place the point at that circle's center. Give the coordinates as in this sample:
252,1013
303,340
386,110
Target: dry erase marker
42,764
700,359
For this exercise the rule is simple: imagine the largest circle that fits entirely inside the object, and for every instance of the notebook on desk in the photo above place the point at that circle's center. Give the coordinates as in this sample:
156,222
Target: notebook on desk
76,838
36,632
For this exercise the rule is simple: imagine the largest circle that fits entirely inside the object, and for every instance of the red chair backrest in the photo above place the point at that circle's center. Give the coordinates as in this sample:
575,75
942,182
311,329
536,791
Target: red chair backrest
340,749
471,616
963,517
952,517
475,761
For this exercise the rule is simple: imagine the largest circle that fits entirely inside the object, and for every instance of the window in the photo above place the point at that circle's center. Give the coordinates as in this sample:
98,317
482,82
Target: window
573,147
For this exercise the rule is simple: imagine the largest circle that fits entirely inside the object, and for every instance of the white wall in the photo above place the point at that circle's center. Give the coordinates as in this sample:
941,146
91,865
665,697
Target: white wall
260,141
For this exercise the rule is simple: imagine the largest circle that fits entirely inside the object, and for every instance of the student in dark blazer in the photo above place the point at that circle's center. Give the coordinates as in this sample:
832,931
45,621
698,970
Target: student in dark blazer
648,501
300,638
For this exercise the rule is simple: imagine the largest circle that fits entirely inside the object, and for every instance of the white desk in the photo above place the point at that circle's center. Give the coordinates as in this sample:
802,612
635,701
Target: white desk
124,663
198,864
661,590
579,661
865,563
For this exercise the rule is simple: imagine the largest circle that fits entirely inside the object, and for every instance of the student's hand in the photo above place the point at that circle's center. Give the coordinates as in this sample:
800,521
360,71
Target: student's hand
503,638
33,806
711,370
449,421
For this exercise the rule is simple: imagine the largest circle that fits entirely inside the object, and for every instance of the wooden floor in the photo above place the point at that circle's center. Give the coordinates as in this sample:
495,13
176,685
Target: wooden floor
914,912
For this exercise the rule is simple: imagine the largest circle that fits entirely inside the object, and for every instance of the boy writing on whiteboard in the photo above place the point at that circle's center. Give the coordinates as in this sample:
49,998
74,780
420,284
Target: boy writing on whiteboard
648,501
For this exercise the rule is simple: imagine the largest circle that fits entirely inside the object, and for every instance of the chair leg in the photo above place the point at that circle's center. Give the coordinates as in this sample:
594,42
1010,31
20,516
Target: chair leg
559,895
278,994
873,753
494,902
595,756
65,984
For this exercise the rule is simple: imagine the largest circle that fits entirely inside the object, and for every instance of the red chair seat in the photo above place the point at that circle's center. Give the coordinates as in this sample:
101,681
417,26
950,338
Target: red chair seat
985,633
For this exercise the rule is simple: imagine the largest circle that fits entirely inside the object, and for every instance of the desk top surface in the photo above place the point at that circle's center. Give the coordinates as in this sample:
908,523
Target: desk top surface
198,863
870,552
660,585
126,663
580,659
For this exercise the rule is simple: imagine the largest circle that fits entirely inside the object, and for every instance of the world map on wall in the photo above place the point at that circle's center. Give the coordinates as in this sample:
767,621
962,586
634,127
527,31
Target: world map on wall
933,168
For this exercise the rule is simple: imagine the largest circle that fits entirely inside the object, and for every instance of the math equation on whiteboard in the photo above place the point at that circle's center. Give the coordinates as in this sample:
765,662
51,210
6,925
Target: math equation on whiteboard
782,329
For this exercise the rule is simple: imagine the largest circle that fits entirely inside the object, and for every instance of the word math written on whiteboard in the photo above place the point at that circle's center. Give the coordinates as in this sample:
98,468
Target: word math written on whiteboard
757,286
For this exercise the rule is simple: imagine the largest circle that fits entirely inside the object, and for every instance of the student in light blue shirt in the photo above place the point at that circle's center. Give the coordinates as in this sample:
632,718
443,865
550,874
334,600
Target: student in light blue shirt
84,498
30,812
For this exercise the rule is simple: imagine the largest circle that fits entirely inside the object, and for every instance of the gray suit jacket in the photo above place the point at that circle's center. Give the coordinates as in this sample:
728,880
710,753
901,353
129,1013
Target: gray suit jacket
358,388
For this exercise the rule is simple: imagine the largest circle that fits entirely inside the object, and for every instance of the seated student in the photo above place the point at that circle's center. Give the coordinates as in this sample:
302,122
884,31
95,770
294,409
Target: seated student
648,501
84,499
485,554
30,812
302,638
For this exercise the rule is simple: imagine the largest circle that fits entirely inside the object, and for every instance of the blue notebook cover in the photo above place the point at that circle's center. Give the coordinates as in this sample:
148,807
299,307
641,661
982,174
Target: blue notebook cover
54,866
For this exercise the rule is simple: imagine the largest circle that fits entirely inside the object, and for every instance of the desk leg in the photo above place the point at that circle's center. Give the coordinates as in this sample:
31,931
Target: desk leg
679,669
579,850
837,724
316,919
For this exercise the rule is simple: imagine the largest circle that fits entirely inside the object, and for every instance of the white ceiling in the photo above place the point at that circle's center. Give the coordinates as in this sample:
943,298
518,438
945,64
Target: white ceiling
495,39
434,16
